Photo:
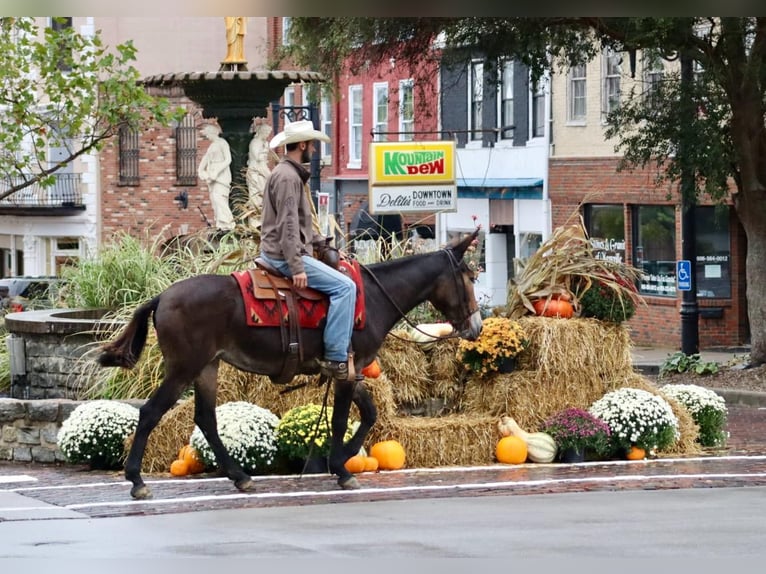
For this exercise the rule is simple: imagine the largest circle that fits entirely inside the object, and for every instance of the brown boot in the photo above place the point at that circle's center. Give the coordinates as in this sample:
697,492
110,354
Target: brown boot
335,369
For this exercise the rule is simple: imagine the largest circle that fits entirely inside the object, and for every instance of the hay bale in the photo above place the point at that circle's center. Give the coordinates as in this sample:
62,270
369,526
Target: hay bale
405,364
446,371
453,440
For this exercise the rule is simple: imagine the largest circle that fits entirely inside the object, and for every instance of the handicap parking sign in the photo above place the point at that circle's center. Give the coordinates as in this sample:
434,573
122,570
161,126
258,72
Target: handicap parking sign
684,275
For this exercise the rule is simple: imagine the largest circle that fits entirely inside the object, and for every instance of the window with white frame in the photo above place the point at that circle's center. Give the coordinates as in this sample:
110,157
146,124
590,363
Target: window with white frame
355,126
505,101
380,111
653,72
577,93
325,117
286,21
406,111
289,101
611,84
476,98
537,103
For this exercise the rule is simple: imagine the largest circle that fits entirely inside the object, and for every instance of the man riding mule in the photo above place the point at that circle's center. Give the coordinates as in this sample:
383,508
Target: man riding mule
287,236
202,320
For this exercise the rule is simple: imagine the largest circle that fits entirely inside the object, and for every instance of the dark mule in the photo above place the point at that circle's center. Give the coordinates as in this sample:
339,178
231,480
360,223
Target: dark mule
201,321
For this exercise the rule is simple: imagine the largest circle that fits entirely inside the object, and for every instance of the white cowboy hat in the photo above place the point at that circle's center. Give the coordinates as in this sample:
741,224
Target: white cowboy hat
299,131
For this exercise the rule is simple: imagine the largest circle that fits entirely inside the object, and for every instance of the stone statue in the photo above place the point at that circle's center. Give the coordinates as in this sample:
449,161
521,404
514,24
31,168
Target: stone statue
215,171
236,28
258,169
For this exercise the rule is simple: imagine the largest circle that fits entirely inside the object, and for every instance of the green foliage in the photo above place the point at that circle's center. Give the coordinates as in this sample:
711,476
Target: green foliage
304,431
90,91
679,362
606,304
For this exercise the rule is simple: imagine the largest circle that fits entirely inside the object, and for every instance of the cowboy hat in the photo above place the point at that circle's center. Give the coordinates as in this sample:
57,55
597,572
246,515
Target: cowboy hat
299,131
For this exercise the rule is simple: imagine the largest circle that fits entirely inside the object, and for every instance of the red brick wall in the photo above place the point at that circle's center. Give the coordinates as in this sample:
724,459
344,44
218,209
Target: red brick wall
571,180
148,210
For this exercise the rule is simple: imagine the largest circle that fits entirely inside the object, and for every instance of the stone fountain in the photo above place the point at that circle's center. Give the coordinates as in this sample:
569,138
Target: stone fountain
234,98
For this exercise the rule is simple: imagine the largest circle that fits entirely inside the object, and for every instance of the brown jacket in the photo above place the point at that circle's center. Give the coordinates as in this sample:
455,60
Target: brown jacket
286,224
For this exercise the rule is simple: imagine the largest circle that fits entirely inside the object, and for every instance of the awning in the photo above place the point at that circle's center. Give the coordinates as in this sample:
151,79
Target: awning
501,188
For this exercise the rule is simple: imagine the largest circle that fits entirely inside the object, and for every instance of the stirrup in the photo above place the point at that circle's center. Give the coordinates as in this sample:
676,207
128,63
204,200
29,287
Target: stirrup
334,369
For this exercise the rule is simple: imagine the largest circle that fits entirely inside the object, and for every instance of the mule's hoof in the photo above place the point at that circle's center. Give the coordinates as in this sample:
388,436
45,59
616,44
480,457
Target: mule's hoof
351,483
141,492
244,485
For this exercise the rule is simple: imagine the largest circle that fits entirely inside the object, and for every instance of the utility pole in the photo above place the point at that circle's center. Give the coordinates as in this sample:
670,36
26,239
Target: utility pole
689,307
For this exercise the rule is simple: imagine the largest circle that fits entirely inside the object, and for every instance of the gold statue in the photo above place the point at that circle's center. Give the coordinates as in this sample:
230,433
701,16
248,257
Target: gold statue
236,28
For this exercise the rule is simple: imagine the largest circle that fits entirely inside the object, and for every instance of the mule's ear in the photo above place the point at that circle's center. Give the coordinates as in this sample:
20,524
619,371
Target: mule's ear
460,247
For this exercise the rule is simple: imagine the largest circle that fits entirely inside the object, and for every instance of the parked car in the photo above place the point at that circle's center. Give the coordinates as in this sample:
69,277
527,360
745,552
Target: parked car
25,293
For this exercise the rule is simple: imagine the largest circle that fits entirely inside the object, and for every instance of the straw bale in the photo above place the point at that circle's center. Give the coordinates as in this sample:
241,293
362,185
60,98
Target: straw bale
453,440
406,365
167,438
446,371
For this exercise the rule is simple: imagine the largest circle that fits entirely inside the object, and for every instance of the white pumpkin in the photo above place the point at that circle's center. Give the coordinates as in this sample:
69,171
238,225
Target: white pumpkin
428,333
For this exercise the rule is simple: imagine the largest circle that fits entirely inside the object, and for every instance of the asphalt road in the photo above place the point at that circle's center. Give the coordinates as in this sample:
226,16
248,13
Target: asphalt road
699,523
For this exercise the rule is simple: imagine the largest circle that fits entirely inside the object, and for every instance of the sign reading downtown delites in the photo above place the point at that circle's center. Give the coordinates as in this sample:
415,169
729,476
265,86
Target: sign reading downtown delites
408,177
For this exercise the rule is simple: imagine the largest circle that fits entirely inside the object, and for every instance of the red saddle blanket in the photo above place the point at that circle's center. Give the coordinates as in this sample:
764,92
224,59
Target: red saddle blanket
264,309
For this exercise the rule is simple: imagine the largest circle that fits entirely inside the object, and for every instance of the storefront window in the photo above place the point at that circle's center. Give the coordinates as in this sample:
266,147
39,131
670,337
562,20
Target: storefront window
606,229
713,252
655,248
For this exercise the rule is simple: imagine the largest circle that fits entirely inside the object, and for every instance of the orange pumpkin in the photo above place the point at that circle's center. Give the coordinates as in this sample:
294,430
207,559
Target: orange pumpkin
636,453
389,454
182,453
179,467
511,450
372,371
192,458
355,464
370,464
553,308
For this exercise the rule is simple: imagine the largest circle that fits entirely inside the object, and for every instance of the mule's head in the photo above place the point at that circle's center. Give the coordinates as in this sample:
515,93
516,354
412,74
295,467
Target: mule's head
453,293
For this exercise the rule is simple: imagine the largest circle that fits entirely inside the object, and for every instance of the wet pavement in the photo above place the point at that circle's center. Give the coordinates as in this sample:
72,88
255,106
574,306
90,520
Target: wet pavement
35,491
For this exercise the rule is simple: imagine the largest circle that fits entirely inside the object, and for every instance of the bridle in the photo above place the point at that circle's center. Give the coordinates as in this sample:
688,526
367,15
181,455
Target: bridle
456,276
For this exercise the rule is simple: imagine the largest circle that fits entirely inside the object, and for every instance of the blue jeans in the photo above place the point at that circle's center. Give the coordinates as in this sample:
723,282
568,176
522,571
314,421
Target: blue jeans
341,290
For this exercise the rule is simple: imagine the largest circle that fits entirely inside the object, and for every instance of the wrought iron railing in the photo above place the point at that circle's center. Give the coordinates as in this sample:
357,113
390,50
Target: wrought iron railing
65,192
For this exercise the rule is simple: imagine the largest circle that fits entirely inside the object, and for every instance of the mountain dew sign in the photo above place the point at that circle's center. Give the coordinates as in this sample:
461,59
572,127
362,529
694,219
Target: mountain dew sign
412,176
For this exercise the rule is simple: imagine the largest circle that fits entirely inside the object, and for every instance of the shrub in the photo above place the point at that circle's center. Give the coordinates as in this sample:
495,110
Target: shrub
247,431
95,433
607,304
578,429
708,409
679,362
300,427
637,418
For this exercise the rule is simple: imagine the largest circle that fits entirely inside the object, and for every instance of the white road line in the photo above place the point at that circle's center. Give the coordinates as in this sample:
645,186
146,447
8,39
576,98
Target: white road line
400,489
8,479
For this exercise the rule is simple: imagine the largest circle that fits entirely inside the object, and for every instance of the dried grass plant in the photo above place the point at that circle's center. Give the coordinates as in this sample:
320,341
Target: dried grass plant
566,265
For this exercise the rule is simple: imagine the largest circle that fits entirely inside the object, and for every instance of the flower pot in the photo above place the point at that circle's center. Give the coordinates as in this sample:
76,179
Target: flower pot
507,365
571,455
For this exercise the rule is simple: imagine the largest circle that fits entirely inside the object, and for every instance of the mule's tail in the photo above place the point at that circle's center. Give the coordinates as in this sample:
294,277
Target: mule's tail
125,350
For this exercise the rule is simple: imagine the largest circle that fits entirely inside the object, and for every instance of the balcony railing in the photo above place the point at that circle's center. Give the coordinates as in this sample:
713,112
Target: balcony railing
64,194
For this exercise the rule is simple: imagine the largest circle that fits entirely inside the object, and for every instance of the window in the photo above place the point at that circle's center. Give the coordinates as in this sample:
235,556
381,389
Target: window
606,229
538,110
380,111
59,24
713,250
653,72
611,89
128,154
476,95
186,151
286,21
406,111
288,97
506,101
355,125
655,248
577,94
325,114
